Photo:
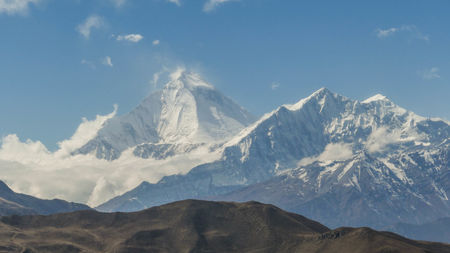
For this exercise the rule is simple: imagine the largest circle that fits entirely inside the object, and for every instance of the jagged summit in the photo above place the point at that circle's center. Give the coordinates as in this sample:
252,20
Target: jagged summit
377,97
182,78
322,97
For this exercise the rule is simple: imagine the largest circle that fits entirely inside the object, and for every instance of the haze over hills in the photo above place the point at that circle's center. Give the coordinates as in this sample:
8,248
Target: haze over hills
437,230
12,203
368,163
195,226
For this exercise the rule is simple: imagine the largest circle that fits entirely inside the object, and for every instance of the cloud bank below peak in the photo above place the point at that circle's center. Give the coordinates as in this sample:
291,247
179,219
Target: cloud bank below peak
29,167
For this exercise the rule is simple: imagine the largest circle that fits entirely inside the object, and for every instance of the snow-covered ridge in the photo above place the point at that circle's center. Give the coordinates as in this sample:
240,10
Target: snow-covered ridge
376,97
363,113
292,107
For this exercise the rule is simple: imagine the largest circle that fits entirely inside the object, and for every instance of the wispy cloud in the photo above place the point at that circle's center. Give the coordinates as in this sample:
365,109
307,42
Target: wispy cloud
130,38
118,3
383,33
107,61
12,7
275,85
166,74
411,29
177,2
211,5
156,42
88,63
90,23
332,152
430,74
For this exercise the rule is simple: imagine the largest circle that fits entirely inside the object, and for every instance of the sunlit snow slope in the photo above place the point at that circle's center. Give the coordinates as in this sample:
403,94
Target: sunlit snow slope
187,113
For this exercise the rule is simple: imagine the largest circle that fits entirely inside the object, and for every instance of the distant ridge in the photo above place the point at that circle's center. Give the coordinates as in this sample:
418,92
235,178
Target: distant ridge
438,230
12,203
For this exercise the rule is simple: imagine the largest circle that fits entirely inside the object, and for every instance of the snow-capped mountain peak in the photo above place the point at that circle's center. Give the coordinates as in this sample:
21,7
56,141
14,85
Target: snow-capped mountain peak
188,110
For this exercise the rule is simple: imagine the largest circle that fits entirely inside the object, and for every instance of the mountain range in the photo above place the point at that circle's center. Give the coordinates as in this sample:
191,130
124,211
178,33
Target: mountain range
195,226
331,158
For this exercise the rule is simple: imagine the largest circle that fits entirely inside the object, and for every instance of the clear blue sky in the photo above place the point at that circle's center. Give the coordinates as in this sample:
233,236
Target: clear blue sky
54,71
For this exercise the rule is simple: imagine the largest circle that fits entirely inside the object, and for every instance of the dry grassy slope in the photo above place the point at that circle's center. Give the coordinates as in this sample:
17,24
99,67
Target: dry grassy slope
10,208
195,226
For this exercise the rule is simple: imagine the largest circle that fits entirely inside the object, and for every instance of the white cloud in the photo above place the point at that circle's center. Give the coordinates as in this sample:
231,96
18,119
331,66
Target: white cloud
386,32
332,152
336,151
15,150
120,3
29,167
107,61
430,74
86,131
156,42
155,79
130,37
211,5
411,29
275,85
177,2
12,7
160,74
176,74
381,138
90,23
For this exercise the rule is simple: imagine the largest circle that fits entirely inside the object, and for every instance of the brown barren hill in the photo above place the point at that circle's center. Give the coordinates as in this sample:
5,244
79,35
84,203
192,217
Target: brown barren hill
195,226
